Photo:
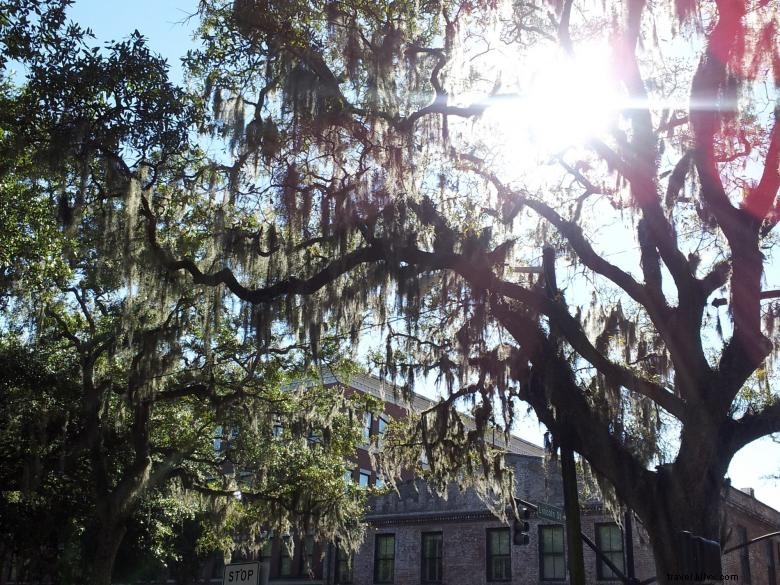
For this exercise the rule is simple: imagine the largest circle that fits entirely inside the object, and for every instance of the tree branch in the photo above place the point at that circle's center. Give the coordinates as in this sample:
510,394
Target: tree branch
481,277
762,198
561,406
564,37
708,80
67,333
84,309
573,234
288,286
753,426
589,257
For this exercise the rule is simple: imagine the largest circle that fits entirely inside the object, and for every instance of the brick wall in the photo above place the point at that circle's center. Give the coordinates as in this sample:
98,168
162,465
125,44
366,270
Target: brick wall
463,521
747,516
464,551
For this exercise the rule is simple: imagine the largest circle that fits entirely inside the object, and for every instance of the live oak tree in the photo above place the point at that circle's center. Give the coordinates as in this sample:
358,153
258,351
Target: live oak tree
372,173
116,381
87,477
420,165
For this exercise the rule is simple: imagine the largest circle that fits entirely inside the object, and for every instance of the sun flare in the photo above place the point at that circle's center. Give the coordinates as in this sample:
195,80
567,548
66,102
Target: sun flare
561,101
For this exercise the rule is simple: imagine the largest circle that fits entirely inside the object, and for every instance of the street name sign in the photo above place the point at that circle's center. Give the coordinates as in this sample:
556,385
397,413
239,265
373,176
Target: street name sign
549,512
242,574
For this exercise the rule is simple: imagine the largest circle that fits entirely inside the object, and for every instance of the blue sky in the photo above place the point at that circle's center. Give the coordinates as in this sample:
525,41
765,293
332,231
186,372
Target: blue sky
165,23
169,32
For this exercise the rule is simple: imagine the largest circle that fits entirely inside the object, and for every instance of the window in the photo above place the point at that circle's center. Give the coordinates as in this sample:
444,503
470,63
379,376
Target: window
367,421
379,482
285,562
431,561
265,552
744,554
343,567
307,555
609,539
384,558
278,426
552,566
218,439
499,561
347,476
364,479
381,429
770,563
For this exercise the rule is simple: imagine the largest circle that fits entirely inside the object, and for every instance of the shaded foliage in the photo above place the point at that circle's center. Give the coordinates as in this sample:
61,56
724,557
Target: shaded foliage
371,171
381,170
117,380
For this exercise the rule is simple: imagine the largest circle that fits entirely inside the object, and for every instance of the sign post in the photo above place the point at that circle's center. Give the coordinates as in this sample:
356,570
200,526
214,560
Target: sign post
571,504
242,574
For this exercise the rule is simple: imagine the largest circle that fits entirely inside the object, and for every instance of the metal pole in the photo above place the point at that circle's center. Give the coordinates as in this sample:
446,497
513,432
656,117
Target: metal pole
606,561
749,542
571,504
571,500
629,524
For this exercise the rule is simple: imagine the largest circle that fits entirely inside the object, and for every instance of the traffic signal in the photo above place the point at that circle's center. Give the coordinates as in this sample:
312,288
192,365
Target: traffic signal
521,527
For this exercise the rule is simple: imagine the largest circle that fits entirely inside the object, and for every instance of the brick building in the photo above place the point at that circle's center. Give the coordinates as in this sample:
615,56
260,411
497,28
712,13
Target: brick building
746,519
472,546
417,538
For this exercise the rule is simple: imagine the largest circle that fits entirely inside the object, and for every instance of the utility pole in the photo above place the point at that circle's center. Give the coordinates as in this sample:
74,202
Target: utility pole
629,547
571,499
571,504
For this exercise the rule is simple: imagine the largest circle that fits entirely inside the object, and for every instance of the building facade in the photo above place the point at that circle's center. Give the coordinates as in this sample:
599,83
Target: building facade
416,537
746,519
456,539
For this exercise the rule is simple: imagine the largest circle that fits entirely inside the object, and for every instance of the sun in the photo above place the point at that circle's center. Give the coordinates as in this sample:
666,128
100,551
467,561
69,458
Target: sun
561,101
571,99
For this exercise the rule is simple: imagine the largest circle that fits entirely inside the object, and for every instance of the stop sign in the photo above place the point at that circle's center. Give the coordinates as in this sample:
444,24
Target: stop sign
242,574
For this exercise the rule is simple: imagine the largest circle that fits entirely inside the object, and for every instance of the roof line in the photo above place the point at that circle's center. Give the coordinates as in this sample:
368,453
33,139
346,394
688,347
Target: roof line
379,388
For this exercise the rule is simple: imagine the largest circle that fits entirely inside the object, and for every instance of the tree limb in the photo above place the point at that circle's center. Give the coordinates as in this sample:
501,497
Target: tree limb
762,198
480,276
288,286
753,426
561,406
708,80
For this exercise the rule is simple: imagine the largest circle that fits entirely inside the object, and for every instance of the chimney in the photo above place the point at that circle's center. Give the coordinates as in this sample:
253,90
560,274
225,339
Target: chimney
749,491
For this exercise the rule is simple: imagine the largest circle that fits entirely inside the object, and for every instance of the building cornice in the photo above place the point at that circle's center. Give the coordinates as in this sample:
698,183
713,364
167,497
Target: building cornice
752,507
429,517
416,402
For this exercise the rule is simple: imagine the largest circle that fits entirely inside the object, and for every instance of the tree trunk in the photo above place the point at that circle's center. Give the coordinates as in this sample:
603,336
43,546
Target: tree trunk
5,559
109,538
679,505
